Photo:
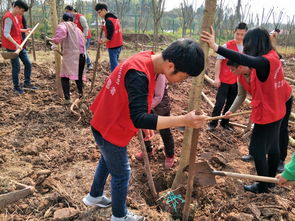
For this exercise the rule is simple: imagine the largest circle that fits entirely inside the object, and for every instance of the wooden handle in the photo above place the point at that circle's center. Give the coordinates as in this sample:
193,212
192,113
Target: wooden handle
230,116
251,177
29,35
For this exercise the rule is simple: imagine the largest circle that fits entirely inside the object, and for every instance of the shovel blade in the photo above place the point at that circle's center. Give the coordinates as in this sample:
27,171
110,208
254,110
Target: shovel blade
9,55
203,174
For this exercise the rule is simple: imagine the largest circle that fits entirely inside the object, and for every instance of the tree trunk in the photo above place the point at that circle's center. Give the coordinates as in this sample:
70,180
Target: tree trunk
188,155
57,57
31,24
195,97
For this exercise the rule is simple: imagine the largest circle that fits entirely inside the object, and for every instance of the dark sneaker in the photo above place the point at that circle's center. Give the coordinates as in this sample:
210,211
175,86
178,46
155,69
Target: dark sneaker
227,127
211,127
281,167
129,217
247,158
19,91
254,188
101,201
90,67
30,87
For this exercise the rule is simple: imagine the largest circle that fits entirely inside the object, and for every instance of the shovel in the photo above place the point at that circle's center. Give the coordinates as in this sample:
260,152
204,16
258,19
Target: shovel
205,175
12,55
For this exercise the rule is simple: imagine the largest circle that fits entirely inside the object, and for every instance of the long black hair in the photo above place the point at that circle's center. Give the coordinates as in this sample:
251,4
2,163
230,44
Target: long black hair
257,42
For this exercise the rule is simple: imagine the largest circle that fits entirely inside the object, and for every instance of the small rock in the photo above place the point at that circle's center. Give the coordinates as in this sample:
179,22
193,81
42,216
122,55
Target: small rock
65,213
30,150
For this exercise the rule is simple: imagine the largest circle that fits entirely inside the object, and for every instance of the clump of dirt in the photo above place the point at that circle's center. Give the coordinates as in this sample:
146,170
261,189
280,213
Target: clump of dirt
43,145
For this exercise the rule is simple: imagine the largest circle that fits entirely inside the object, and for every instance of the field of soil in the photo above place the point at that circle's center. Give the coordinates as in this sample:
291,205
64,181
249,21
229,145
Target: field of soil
42,145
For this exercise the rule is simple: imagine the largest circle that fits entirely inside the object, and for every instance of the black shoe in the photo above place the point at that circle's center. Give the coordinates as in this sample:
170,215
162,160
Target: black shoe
30,87
254,188
227,127
211,127
281,167
247,158
271,185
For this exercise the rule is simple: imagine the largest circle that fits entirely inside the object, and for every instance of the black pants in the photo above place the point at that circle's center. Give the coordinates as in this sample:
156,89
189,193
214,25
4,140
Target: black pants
226,94
163,109
65,82
264,147
284,132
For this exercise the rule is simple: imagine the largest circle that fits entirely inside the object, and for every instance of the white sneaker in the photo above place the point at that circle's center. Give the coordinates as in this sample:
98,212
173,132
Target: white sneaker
129,217
101,201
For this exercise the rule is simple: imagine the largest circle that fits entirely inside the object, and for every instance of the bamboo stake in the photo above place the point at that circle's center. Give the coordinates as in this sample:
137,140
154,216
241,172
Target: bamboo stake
229,116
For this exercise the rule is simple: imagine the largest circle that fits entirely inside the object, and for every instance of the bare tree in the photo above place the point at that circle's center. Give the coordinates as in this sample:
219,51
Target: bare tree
122,6
238,11
158,9
31,24
188,14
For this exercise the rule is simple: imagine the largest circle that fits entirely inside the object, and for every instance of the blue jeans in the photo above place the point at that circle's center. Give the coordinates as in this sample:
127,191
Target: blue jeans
114,161
88,61
114,57
23,55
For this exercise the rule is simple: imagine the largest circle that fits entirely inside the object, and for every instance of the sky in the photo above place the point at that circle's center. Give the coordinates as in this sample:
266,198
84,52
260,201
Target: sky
288,6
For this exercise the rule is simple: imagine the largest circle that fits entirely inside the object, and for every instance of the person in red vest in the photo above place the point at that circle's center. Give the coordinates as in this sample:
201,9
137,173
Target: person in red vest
11,41
261,75
113,34
225,80
123,105
82,24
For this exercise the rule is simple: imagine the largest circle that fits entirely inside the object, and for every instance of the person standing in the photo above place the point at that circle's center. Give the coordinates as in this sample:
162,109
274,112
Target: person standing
261,74
11,40
225,80
161,106
73,49
123,105
82,24
113,34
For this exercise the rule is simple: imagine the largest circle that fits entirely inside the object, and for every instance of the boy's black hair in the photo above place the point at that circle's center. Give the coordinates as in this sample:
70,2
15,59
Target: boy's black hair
186,55
242,26
69,7
257,42
67,17
232,63
101,6
21,4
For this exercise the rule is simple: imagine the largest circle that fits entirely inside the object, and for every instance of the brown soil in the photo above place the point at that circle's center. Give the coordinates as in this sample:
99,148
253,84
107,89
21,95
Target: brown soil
42,145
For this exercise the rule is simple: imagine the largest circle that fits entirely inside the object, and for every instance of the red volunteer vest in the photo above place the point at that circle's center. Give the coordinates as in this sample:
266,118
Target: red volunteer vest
117,38
15,32
226,76
111,107
268,98
77,22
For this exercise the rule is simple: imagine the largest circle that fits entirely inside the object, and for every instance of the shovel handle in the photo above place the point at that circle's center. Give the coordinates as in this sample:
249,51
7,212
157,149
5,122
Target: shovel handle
232,115
251,177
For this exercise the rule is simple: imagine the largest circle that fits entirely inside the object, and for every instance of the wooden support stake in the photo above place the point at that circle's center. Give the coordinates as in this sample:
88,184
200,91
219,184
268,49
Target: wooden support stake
147,166
57,57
